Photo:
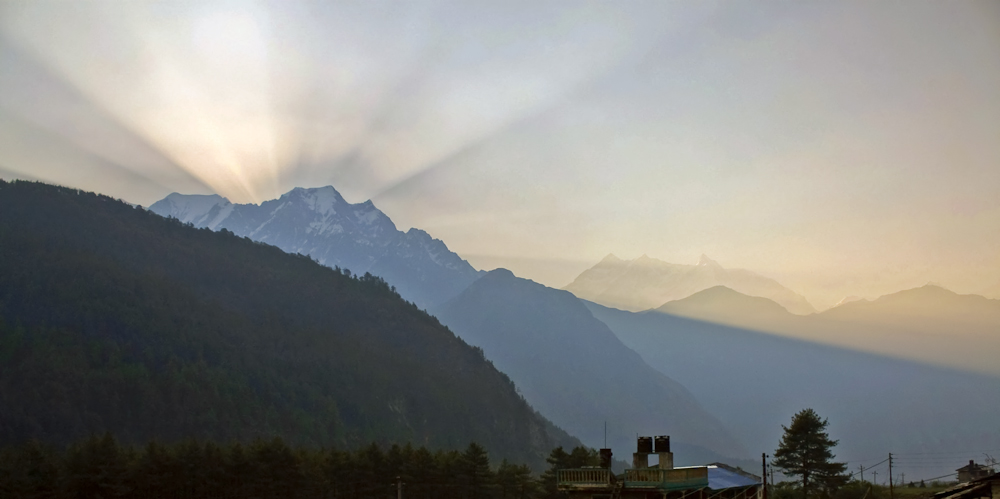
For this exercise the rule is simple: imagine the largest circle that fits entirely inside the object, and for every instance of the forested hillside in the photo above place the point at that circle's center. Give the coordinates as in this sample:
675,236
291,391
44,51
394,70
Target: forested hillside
115,319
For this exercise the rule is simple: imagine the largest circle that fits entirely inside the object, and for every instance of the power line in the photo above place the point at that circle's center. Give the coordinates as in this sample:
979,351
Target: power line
935,478
955,453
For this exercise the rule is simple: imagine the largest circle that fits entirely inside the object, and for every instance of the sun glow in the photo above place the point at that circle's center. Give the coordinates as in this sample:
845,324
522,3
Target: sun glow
242,95
771,138
198,88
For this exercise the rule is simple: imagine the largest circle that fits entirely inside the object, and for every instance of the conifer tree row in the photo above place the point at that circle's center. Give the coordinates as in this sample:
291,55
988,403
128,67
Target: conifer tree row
100,466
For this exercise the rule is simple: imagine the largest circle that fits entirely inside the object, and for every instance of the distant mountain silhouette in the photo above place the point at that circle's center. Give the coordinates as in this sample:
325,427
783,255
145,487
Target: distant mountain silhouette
914,307
755,381
320,223
646,283
722,305
576,372
848,299
930,324
115,319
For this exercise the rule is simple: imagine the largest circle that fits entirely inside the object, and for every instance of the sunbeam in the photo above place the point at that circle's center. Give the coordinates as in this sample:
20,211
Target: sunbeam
34,96
640,125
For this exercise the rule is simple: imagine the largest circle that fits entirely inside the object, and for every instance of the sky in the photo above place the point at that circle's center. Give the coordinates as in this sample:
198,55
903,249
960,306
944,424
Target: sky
842,148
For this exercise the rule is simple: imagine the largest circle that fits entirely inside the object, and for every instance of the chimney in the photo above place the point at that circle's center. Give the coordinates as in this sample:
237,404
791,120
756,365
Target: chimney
606,458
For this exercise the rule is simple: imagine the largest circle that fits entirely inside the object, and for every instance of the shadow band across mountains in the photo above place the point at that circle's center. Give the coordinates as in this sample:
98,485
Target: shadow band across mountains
753,381
574,370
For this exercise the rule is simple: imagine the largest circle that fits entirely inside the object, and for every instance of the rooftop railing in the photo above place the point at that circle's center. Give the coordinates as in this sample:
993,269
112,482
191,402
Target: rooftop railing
584,478
675,479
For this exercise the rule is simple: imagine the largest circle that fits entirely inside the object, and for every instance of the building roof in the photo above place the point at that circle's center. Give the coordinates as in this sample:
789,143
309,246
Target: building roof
973,467
968,490
722,478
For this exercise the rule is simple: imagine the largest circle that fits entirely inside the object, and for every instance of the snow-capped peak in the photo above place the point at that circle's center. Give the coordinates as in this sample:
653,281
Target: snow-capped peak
705,261
323,200
198,209
611,258
321,223
849,299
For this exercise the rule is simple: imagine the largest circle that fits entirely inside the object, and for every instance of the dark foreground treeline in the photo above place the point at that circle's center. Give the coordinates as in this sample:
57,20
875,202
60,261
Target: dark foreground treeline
101,467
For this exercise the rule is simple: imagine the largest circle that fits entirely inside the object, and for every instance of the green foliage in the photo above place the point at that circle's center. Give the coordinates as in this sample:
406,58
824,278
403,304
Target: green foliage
515,482
115,319
559,459
100,466
474,468
805,452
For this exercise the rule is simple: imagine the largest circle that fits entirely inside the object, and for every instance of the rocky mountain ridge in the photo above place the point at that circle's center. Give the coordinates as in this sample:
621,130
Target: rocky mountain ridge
320,223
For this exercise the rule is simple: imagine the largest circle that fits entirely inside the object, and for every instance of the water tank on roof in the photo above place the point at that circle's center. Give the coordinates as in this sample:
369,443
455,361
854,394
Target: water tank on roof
662,443
644,445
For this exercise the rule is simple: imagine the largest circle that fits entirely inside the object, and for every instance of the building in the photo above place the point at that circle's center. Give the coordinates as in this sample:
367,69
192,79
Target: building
973,471
663,481
986,487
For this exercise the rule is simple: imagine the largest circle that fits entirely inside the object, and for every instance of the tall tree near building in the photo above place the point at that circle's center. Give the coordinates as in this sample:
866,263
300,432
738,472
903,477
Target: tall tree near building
805,451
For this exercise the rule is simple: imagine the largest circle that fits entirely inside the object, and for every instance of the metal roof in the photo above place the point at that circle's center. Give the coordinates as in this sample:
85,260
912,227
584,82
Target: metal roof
721,478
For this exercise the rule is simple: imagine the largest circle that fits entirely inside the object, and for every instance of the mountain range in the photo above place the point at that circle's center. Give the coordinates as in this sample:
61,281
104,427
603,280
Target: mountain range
876,404
717,358
646,283
320,223
929,324
576,372
115,319
992,291
526,343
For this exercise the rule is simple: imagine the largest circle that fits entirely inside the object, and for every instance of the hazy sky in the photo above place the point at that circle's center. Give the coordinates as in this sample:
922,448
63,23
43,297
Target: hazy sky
843,148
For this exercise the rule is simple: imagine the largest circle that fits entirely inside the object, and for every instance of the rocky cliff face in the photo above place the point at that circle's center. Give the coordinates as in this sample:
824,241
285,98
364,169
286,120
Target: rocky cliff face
320,223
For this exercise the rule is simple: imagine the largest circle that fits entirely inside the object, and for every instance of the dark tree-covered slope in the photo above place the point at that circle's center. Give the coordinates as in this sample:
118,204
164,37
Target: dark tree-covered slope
114,318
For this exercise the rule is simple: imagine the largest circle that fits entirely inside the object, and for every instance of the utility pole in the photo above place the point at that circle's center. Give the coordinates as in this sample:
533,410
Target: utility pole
763,470
890,476
862,467
875,479
399,488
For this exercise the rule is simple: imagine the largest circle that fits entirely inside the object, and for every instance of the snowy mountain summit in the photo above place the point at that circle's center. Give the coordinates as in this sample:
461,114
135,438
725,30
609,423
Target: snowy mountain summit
322,224
646,283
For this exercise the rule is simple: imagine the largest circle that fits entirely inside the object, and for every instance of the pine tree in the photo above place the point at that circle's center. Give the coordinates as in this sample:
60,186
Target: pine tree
476,479
514,481
805,452
558,459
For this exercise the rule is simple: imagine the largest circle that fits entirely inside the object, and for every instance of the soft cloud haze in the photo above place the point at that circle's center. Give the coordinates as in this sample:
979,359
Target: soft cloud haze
842,148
